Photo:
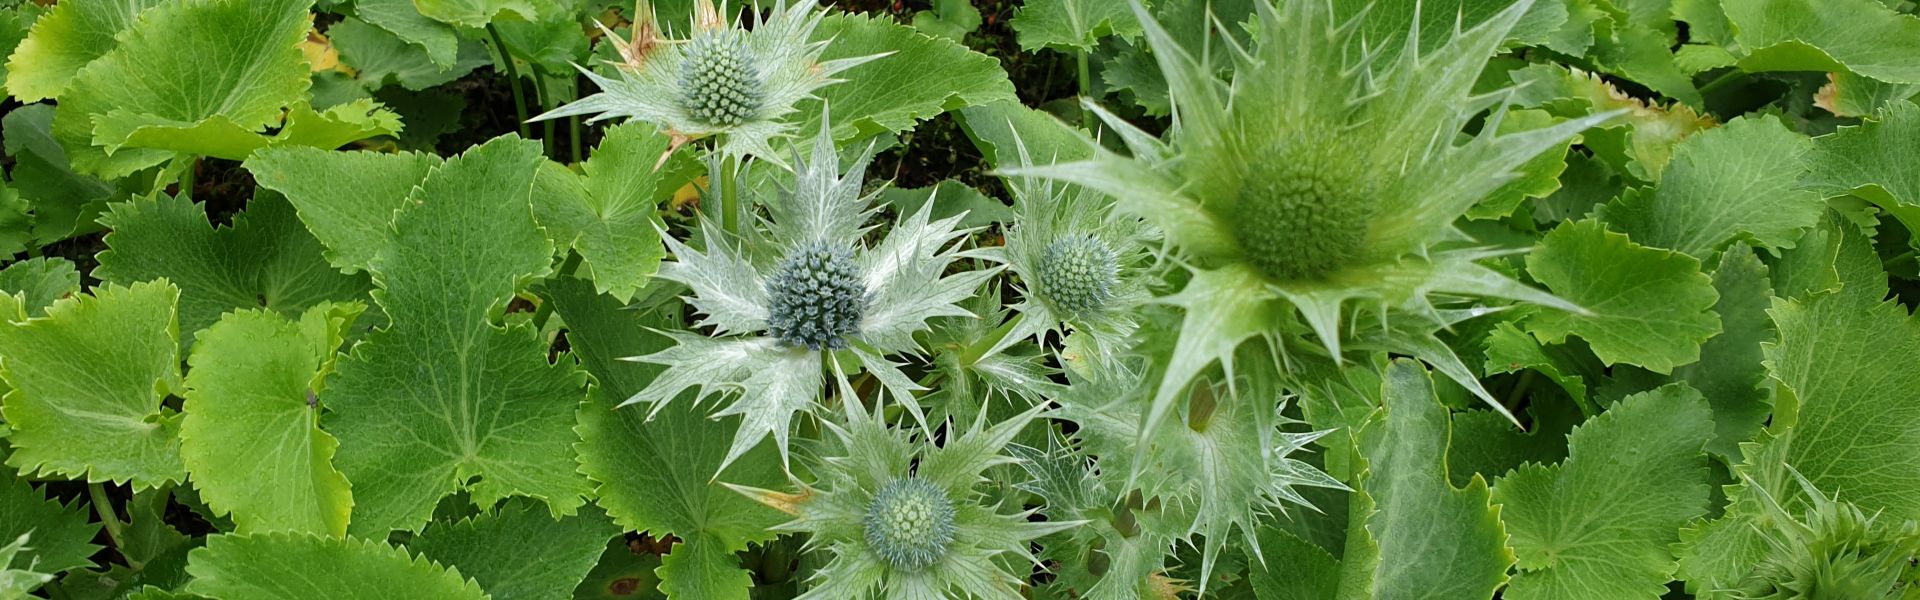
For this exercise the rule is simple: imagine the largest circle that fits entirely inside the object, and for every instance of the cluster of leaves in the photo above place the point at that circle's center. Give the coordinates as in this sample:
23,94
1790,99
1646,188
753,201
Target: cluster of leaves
1300,299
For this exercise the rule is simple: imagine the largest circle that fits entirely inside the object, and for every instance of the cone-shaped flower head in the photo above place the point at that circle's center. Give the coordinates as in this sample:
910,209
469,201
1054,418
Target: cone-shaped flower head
740,84
1081,266
807,294
1322,180
904,519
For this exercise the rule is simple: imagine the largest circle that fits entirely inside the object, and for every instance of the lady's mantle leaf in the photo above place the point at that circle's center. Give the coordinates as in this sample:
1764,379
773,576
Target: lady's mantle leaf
1846,357
922,77
442,397
474,13
265,260
251,436
69,36
1649,307
1873,160
520,551
169,74
1073,24
1729,373
608,214
1845,414
62,536
292,565
347,199
621,450
87,384
1599,524
40,282
1863,36
1424,538
1737,180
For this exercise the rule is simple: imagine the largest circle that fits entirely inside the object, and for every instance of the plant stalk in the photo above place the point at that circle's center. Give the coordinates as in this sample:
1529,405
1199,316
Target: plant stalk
729,196
546,103
1086,88
573,128
978,350
513,81
103,506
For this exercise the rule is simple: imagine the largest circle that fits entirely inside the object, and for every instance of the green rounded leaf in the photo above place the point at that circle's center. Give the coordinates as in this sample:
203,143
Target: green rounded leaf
293,565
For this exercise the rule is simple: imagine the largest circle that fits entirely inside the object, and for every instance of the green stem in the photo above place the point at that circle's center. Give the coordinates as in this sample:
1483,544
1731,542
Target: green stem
1519,389
1723,80
103,506
1086,85
546,103
573,127
545,312
513,81
729,196
186,178
972,354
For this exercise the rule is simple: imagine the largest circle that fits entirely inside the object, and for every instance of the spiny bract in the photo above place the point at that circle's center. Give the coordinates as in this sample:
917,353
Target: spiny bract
719,83
816,296
909,523
1079,273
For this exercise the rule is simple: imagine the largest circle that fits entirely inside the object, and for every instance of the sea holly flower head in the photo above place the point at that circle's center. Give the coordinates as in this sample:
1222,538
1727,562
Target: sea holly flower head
904,518
1318,186
1835,551
737,84
807,295
1233,460
1081,266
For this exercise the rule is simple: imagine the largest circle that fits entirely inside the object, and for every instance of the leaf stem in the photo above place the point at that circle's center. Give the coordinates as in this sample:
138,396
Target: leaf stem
186,178
573,128
103,506
1723,80
1086,85
513,81
546,103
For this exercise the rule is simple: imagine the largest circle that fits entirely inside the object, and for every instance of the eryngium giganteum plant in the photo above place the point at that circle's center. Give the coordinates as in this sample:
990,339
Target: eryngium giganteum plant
735,83
905,518
1318,186
807,293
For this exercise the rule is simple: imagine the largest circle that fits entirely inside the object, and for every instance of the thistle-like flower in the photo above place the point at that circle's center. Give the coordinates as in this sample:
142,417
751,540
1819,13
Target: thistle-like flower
1318,183
1835,551
738,84
807,294
1232,460
903,517
1080,264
